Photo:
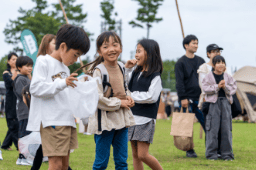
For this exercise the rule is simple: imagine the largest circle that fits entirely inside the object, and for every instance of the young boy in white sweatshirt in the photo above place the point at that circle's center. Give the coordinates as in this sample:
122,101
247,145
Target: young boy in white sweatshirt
50,112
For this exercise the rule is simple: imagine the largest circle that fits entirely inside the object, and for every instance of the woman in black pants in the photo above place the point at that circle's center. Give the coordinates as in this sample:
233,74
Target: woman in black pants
10,105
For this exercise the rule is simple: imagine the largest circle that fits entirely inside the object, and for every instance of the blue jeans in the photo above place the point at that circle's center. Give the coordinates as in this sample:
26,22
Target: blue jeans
119,141
194,109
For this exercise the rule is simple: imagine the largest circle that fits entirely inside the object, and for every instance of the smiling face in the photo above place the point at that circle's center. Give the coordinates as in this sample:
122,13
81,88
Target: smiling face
220,67
141,55
12,61
69,57
26,69
192,46
110,50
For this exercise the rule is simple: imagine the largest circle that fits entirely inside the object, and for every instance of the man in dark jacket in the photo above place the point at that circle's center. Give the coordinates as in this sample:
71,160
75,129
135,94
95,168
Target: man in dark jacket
187,84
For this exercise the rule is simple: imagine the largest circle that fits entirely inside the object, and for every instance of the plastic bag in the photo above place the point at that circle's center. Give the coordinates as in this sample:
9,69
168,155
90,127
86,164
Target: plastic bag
28,145
84,98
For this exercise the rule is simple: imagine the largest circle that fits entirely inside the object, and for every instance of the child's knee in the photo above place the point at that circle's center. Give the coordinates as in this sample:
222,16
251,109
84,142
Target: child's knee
135,155
142,156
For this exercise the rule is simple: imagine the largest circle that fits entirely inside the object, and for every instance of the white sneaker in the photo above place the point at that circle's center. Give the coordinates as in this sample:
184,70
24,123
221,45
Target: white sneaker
1,157
86,133
18,162
25,162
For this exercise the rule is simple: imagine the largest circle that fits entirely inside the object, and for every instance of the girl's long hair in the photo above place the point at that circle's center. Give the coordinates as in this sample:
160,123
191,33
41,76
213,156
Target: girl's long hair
9,57
103,37
45,44
153,62
26,93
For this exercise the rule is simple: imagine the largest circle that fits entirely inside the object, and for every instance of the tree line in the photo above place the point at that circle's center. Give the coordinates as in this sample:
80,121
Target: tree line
46,18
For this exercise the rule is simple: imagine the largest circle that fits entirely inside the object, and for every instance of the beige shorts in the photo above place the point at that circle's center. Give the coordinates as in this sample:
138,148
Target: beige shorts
58,141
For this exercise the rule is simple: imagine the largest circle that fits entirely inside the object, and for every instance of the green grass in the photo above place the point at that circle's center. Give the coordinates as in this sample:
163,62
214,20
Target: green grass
244,146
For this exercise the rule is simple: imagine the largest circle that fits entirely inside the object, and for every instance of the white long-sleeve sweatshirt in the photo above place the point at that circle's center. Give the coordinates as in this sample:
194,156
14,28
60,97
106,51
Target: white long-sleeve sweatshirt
49,95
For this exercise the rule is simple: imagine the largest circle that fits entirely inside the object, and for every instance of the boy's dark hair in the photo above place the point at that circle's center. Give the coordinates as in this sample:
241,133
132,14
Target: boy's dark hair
26,93
74,37
103,37
9,57
188,39
218,59
154,61
23,61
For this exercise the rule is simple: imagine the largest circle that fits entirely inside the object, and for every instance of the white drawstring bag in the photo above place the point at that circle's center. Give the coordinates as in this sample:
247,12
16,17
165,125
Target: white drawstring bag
84,98
29,144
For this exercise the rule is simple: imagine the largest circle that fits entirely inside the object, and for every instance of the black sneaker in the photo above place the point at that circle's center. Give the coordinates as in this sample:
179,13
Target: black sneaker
191,154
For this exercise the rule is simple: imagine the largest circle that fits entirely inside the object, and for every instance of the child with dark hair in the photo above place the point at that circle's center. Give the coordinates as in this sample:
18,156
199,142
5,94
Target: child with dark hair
24,64
219,88
50,112
145,85
109,124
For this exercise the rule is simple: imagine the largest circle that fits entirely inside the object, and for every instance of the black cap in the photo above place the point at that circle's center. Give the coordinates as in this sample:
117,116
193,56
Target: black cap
213,47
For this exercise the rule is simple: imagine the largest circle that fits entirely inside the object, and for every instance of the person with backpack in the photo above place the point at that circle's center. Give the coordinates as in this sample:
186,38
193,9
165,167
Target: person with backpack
109,123
145,85
187,84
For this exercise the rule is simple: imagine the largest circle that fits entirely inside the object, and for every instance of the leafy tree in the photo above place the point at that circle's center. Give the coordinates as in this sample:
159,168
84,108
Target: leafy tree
168,75
74,13
147,14
42,21
107,8
3,66
34,19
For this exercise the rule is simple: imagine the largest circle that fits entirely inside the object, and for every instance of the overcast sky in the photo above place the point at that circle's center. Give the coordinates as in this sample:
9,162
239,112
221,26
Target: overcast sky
229,23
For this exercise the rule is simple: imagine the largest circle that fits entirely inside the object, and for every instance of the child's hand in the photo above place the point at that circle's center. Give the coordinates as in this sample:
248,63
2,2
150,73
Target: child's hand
70,79
130,100
125,104
222,83
130,63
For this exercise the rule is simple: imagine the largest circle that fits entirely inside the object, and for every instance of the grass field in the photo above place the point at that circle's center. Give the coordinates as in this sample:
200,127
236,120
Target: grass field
244,146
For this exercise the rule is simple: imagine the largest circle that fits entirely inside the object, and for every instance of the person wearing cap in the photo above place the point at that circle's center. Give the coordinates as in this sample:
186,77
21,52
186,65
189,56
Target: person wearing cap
212,50
187,86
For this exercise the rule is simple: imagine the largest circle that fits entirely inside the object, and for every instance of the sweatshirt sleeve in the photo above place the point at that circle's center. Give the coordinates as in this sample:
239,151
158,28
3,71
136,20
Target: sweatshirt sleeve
231,87
40,87
209,88
107,104
8,80
152,95
20,83
180,87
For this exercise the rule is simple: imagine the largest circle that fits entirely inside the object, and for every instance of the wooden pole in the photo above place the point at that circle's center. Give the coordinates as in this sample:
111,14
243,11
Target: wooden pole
180,19
64,13
66,18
